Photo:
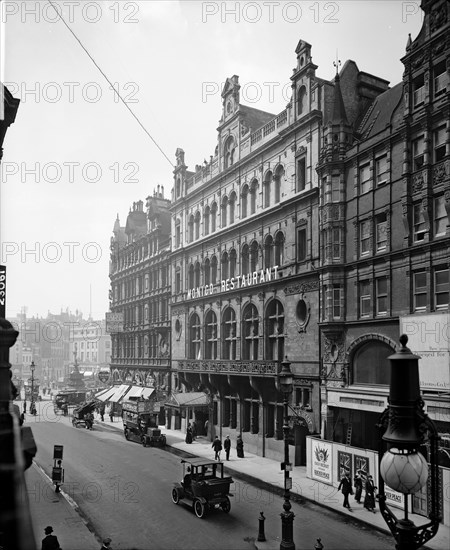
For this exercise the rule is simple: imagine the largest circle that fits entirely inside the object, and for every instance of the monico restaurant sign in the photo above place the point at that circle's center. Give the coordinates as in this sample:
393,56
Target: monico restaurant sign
235,283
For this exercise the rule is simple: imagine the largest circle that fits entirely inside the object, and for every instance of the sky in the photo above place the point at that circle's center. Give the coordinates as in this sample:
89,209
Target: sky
77,156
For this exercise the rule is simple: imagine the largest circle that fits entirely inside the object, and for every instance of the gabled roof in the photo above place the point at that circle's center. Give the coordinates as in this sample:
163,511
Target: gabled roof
380,112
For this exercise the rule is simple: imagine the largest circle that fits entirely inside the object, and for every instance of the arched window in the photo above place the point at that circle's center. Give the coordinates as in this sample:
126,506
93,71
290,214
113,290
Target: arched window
229,152
245,259
229,334
213,216
191,279
224,211
370,364
211,336
225,266
206,218
197,225
177,233
191,228
275,331
267,185
250,333
268,252
213,270
232,205
244,197
207,271
254,249
279,248
233,261
279,175
197,274
195,337
253,195
301,100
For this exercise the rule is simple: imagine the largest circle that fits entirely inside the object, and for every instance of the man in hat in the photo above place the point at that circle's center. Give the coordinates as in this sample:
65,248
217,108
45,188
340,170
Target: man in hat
50,542
106,544
346,486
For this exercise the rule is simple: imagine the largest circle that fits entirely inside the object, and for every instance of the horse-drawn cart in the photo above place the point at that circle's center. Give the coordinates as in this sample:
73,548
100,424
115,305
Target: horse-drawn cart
83,416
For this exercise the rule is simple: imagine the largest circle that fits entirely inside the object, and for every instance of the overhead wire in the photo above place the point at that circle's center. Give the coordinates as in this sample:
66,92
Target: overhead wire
59,13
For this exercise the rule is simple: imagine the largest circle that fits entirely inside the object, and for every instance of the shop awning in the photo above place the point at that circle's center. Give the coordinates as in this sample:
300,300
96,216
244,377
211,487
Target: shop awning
140,391
188,399
104,395
119,393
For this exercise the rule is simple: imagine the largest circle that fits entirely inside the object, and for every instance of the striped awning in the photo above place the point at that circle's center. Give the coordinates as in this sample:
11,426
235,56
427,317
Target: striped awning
140,391
119,393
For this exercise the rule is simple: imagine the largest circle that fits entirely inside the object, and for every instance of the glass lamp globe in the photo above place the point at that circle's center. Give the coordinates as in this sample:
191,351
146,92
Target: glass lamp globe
404,472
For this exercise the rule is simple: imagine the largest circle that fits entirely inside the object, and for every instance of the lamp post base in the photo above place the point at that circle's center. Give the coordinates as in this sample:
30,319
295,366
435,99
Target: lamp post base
287,531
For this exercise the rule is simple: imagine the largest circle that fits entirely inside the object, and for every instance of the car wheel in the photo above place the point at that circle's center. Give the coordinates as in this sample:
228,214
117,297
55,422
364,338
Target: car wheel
175,496
199,509
127,434
226,505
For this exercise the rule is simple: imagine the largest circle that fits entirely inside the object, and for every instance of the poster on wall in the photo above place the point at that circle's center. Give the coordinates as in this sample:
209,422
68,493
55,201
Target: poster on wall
362,466
345,464
322,461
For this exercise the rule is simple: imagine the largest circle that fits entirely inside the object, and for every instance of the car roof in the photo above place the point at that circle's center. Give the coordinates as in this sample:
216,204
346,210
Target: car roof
199,461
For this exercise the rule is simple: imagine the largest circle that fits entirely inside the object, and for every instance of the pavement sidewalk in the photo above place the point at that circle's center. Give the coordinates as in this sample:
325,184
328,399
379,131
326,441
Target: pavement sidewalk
57,510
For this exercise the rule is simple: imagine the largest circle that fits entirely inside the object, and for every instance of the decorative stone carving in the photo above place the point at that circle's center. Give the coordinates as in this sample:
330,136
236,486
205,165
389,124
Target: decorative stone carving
301,288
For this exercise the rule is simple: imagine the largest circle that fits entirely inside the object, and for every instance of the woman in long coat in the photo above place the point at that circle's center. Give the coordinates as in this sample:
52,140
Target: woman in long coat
240,447
369,499
358,487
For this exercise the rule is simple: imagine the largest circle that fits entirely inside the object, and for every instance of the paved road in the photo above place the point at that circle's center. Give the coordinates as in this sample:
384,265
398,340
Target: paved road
124,491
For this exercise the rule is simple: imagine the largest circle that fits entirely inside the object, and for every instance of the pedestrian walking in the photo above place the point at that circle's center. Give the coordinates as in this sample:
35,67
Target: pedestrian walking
194,430
217,446
369,499
106,545
102,412
111,414
240,447
206,427
189,434
50,542
358,483
346,487
227,447
21,419
25,407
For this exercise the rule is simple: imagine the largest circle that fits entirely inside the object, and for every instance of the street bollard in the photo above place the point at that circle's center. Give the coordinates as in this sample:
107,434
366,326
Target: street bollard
261,535
318,545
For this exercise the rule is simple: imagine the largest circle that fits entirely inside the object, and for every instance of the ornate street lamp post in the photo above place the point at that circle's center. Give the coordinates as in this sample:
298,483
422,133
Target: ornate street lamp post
405,428
32,405
287,517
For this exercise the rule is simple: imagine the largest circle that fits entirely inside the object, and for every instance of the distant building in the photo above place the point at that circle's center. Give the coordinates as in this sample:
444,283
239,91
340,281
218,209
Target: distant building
140,292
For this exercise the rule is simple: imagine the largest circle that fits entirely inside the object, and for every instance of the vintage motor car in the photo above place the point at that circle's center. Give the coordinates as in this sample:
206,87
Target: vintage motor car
204,485
140,423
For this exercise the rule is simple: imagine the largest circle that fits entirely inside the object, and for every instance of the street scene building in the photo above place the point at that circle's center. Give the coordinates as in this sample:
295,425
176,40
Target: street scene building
140,293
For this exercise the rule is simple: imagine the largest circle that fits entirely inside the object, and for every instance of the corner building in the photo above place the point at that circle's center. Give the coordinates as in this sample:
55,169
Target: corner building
385,247
244,261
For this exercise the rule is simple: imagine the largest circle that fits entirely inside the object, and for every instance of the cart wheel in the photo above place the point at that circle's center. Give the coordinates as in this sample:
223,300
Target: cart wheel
199,509
127,435
175,496
226,505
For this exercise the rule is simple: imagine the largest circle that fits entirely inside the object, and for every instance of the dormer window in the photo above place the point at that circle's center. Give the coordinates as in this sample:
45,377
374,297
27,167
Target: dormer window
418,91
440,80
229,151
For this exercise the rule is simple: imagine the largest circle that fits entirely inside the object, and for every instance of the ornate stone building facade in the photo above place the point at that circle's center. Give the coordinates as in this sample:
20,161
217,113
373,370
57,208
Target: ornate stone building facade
245,258
385,247
140,291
